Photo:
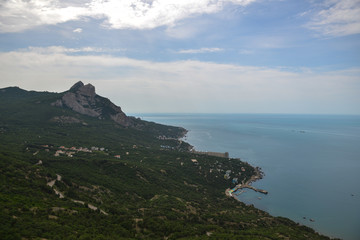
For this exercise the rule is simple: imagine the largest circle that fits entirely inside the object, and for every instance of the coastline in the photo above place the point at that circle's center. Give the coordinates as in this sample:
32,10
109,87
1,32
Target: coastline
259,174
247,140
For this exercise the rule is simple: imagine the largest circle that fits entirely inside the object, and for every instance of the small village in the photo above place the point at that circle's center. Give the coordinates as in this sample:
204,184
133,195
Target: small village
71,151
216,166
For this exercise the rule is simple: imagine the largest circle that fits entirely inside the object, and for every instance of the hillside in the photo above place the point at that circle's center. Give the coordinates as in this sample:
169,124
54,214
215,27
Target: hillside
74,166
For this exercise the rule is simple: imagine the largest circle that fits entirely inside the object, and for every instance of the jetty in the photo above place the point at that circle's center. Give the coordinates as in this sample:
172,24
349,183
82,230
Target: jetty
229,192
241,186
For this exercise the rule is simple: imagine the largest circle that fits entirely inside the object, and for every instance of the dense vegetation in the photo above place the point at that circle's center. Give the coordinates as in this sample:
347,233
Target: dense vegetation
131,185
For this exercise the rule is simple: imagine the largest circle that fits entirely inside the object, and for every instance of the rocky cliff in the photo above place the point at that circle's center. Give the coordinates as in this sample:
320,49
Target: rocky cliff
83,99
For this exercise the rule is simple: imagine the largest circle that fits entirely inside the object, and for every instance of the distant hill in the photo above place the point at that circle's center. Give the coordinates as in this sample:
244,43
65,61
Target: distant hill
80,108
74,166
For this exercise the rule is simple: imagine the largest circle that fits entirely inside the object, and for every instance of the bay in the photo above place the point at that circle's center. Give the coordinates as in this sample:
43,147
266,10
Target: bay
311,162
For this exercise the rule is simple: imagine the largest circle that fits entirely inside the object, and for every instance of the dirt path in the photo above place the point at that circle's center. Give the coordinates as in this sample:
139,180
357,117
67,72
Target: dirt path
61,195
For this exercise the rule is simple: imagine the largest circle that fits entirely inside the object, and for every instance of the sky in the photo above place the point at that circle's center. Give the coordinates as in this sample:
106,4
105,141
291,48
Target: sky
189,56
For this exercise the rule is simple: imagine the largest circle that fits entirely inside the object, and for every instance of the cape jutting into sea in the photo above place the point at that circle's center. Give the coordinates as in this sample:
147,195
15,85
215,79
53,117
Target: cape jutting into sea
311,162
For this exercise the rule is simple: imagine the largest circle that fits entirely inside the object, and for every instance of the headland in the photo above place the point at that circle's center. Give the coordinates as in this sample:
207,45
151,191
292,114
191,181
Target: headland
258,175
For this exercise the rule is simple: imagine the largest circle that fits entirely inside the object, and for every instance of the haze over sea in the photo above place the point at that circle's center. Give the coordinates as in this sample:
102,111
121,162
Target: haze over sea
311,162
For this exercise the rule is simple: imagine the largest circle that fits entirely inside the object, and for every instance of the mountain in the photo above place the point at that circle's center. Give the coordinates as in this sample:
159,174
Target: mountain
83,99
82,109
70,169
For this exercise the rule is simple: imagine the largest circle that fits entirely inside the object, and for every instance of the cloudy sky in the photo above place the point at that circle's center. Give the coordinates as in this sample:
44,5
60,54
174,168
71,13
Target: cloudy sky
206,56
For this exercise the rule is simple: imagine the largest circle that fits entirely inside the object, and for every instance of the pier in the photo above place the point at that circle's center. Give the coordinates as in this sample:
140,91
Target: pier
241,186
229,191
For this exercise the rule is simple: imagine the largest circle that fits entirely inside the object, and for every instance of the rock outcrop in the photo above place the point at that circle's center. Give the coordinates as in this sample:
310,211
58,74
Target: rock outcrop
83,99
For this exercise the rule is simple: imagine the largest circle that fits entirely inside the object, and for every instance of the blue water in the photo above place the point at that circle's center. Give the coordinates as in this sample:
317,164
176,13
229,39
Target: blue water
311,162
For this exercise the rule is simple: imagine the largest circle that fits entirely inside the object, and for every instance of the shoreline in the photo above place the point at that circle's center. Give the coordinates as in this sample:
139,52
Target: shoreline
240,189
259,174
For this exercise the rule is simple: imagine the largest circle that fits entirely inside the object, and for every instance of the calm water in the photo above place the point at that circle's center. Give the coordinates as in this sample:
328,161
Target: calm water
311,162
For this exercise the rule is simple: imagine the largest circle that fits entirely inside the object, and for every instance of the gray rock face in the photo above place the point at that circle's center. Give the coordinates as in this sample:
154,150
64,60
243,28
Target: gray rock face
83,99
76,86
87,90
80,103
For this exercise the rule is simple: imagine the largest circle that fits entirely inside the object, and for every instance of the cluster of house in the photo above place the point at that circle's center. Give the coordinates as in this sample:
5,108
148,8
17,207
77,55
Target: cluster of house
227,174
194,161
71,151
62,152
227,177
163,137
166,147
126,153
97,149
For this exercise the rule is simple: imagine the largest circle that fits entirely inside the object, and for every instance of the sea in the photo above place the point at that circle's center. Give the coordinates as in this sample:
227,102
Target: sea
311,162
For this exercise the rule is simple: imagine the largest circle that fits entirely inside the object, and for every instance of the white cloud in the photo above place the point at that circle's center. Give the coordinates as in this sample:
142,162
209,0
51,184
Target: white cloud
337,18
200,50
185,86
77,30
60,49
19,15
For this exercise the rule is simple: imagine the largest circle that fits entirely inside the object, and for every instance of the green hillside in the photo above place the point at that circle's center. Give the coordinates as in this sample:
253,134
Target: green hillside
65,175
